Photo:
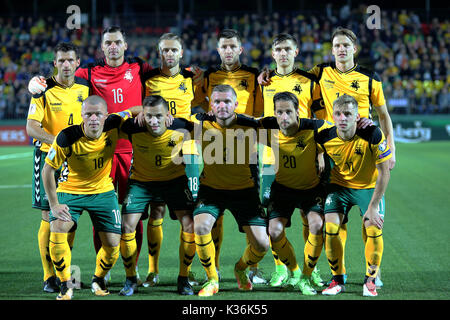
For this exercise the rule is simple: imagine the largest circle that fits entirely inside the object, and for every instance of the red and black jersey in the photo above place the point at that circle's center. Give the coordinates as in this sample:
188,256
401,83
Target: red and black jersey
121,86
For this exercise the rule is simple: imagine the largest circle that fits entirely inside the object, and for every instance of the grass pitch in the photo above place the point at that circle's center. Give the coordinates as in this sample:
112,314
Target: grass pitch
415,266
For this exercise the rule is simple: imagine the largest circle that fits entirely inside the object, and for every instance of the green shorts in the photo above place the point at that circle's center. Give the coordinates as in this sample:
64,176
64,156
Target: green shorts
341,200
103,208
243,204
175,193
40,200
283,201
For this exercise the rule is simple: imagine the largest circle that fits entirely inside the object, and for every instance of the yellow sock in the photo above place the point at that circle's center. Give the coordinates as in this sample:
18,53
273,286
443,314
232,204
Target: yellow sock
305,228
250,256
154,240
106,258
255,266
373,251
206,251
276,258
187,252
343,236
285,252
333,248
217,236
43,242
313,248
128,251
61,255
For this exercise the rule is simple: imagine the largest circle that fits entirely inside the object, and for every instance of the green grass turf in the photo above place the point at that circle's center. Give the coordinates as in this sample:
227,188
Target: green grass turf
415,263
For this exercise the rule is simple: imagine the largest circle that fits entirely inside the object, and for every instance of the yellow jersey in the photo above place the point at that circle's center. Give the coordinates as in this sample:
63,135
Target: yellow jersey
295,155
227,154
58,106
87,162
154,158
298,82
302,84
361,83
355,160
244,81
296,160
179,90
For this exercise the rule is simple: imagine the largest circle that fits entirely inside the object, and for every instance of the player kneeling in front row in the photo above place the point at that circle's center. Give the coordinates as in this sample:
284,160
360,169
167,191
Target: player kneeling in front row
85,184
156,179
359,177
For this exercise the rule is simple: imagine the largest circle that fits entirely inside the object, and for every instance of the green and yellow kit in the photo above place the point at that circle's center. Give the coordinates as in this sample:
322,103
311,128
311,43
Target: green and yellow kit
361,83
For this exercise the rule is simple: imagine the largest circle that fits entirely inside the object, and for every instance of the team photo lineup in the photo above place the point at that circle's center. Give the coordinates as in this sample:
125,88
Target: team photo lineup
133,143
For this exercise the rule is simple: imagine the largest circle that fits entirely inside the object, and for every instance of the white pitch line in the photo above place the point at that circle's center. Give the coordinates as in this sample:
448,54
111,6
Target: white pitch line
15,186
16,155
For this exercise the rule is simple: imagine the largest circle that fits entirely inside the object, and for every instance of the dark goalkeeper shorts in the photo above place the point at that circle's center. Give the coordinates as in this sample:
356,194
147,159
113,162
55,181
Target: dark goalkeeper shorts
283,201
244,204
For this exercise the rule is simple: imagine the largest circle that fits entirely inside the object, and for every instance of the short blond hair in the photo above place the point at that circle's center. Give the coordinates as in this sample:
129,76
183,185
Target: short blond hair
345,99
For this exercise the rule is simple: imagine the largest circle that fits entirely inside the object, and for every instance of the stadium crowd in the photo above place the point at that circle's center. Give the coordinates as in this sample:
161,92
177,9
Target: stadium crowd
411,56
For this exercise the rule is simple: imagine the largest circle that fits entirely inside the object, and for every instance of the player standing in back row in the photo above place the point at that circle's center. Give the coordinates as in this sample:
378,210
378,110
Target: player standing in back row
51,111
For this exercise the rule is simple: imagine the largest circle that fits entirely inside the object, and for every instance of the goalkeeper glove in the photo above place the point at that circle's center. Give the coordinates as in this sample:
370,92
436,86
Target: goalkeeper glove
37,85
198,75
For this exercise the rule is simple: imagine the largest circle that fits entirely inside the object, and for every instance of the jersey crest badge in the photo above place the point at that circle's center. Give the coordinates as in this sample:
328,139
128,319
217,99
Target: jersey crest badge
128,76
300,144
171,143
297,88
243,84
183,87
80,97
355,85
108,142
359,151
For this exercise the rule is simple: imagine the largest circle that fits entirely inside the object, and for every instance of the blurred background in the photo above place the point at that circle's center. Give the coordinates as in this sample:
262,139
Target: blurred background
410,51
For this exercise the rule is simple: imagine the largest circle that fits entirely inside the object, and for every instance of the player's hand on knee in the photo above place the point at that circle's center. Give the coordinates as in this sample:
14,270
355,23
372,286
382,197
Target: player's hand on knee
374,218
61,212
37,85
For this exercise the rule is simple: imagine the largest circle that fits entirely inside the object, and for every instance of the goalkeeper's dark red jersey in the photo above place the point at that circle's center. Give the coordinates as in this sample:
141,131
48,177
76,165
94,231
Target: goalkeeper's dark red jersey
121,86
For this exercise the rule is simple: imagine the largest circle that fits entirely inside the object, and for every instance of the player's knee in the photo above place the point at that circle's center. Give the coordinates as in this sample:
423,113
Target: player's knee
157,211
202,228
261,244
187,223
315,225
110,239
276,230
60,226
127,228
